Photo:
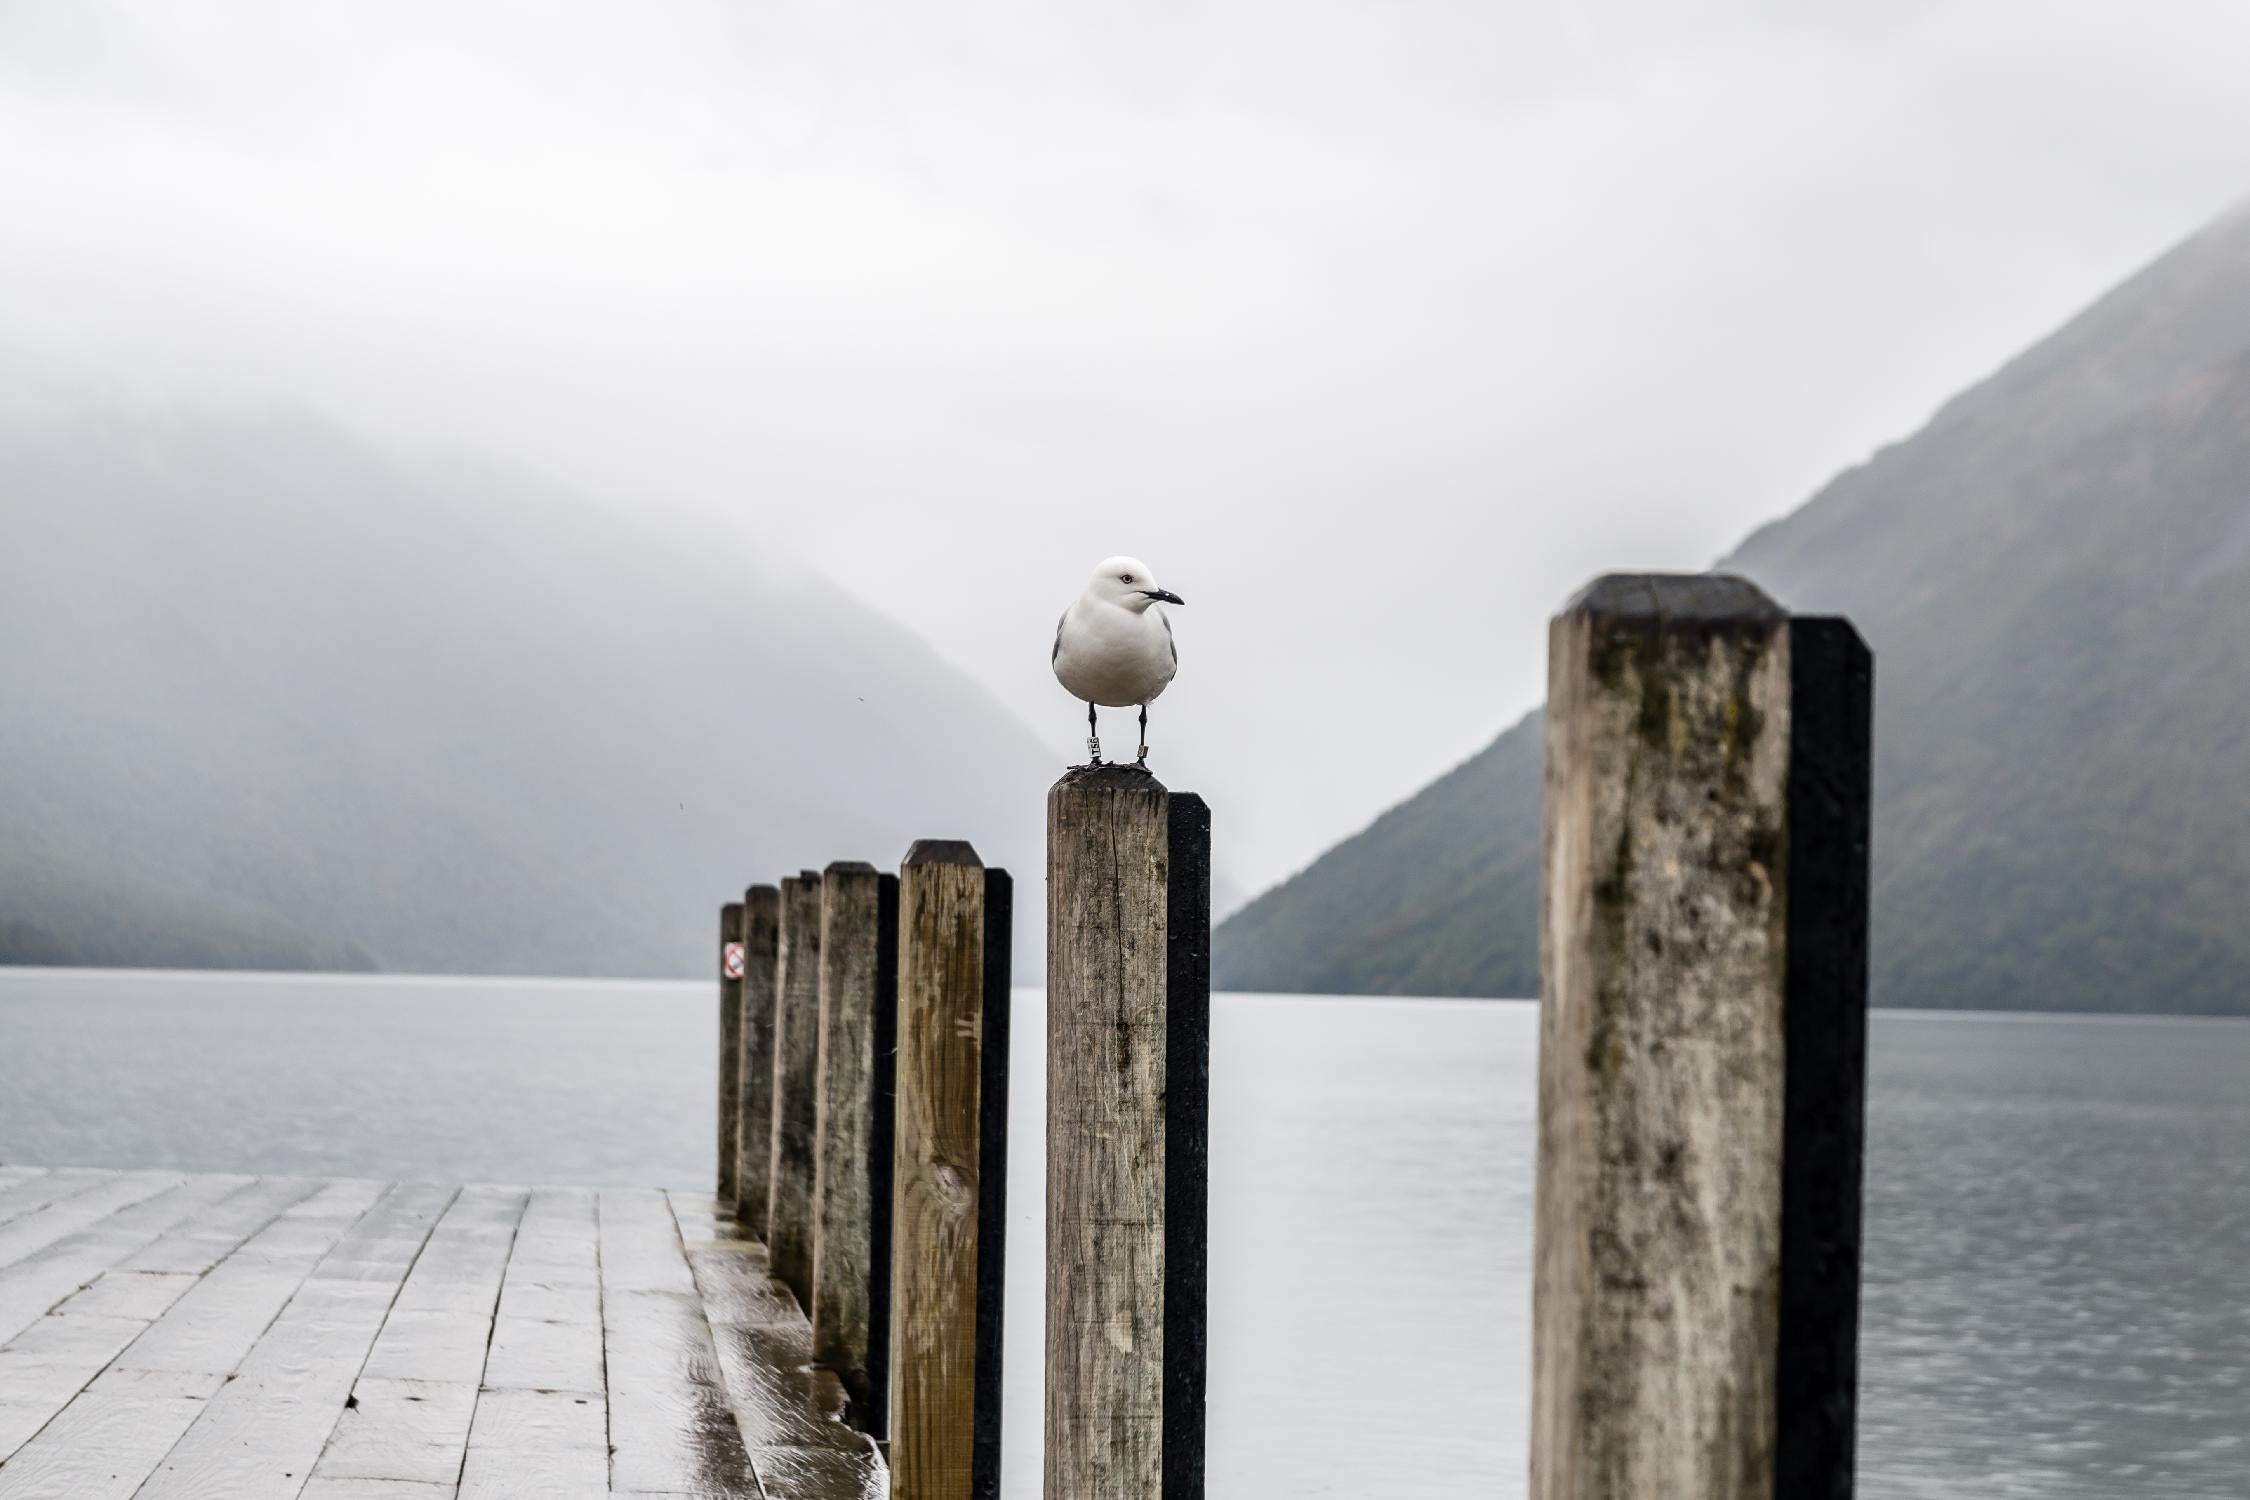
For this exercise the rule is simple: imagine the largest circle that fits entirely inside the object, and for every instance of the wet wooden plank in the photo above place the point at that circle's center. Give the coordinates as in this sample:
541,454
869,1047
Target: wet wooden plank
536,1445
640,1242
729,1269
416,1397
28,1196
671,1425
770,1382
209,1237
106,1442
765,1363
130,1294
212,1329
373,1489
264,1431
47,1364
49,1359
556,1243
440,1325
33,1286
401,1430
37,1230
383,1246
820,1474
547,1333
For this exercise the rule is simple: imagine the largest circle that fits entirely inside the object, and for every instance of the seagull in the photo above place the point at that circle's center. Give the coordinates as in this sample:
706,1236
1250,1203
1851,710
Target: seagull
1113,648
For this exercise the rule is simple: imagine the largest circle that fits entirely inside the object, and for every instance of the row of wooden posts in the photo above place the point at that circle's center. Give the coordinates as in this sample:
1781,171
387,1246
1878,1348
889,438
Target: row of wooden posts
1701,1085
862,1135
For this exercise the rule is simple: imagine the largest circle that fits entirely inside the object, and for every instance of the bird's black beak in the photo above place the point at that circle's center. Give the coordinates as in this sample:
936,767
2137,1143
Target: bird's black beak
1162,596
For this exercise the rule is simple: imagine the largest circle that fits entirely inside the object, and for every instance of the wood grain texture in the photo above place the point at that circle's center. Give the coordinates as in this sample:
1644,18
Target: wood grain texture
28,1195
671,1426
416,1395
796,1064
211,1329
730,1050
853,1126
1658,1242
439,1326
40,1281
547,1330
949,1176
536,1445
264,1430
336,1347
761,939
796,1446
1107,865
109,1439
35,1231
212,1234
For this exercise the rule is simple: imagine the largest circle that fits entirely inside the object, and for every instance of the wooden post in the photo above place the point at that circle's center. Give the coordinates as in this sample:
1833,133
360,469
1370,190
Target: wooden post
1702,1047
761,939
1128,1039
796,1061
950,1189
730,1041
851,1276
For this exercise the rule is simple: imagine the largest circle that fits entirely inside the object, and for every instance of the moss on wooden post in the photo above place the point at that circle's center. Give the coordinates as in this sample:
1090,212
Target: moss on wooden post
796,1058
1702,1035
753,1149
950,1187
1128,1015
851,1240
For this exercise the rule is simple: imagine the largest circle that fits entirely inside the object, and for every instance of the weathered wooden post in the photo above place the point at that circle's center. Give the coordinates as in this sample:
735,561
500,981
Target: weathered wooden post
1128,1070
949,1192
796,1061
851,1276
753,1150
730,1041
1702,1045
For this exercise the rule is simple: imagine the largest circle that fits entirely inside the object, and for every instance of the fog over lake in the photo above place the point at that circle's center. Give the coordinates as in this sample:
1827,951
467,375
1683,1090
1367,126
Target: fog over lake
2055,1304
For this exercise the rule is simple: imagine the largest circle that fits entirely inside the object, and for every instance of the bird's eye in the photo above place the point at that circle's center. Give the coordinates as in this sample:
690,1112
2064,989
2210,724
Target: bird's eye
1124,578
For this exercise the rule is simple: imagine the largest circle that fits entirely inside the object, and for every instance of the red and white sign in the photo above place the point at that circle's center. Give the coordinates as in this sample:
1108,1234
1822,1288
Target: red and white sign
730,964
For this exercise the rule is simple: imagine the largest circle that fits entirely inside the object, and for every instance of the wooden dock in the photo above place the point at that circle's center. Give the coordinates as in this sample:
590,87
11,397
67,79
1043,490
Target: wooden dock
1697,1237
176,1337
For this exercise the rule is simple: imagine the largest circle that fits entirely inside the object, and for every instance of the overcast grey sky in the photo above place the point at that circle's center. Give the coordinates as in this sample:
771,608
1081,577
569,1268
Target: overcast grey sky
1374,327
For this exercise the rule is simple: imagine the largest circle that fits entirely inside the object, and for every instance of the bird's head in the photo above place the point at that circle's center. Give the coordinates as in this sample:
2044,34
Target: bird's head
1127,583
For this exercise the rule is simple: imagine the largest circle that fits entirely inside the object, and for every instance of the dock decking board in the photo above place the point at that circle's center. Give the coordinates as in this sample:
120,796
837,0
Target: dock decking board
171,1337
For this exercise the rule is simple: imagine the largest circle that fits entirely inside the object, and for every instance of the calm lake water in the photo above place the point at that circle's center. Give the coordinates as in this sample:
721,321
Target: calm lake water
2058,1300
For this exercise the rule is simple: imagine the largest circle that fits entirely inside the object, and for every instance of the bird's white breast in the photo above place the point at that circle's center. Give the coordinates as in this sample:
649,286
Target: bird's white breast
1113,656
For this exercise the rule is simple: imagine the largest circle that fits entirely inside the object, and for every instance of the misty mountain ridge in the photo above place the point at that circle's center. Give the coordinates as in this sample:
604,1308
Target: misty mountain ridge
275,697
2054,575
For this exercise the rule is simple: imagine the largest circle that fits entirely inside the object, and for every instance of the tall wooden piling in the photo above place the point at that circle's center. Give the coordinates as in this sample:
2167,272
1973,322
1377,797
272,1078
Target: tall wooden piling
951,1176
796,1061
1702,1047
753,1148
731,962
1128,1035
851,1276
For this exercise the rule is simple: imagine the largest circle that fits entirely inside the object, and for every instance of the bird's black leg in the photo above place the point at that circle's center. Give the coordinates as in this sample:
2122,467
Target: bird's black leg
1143,758
1093,736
